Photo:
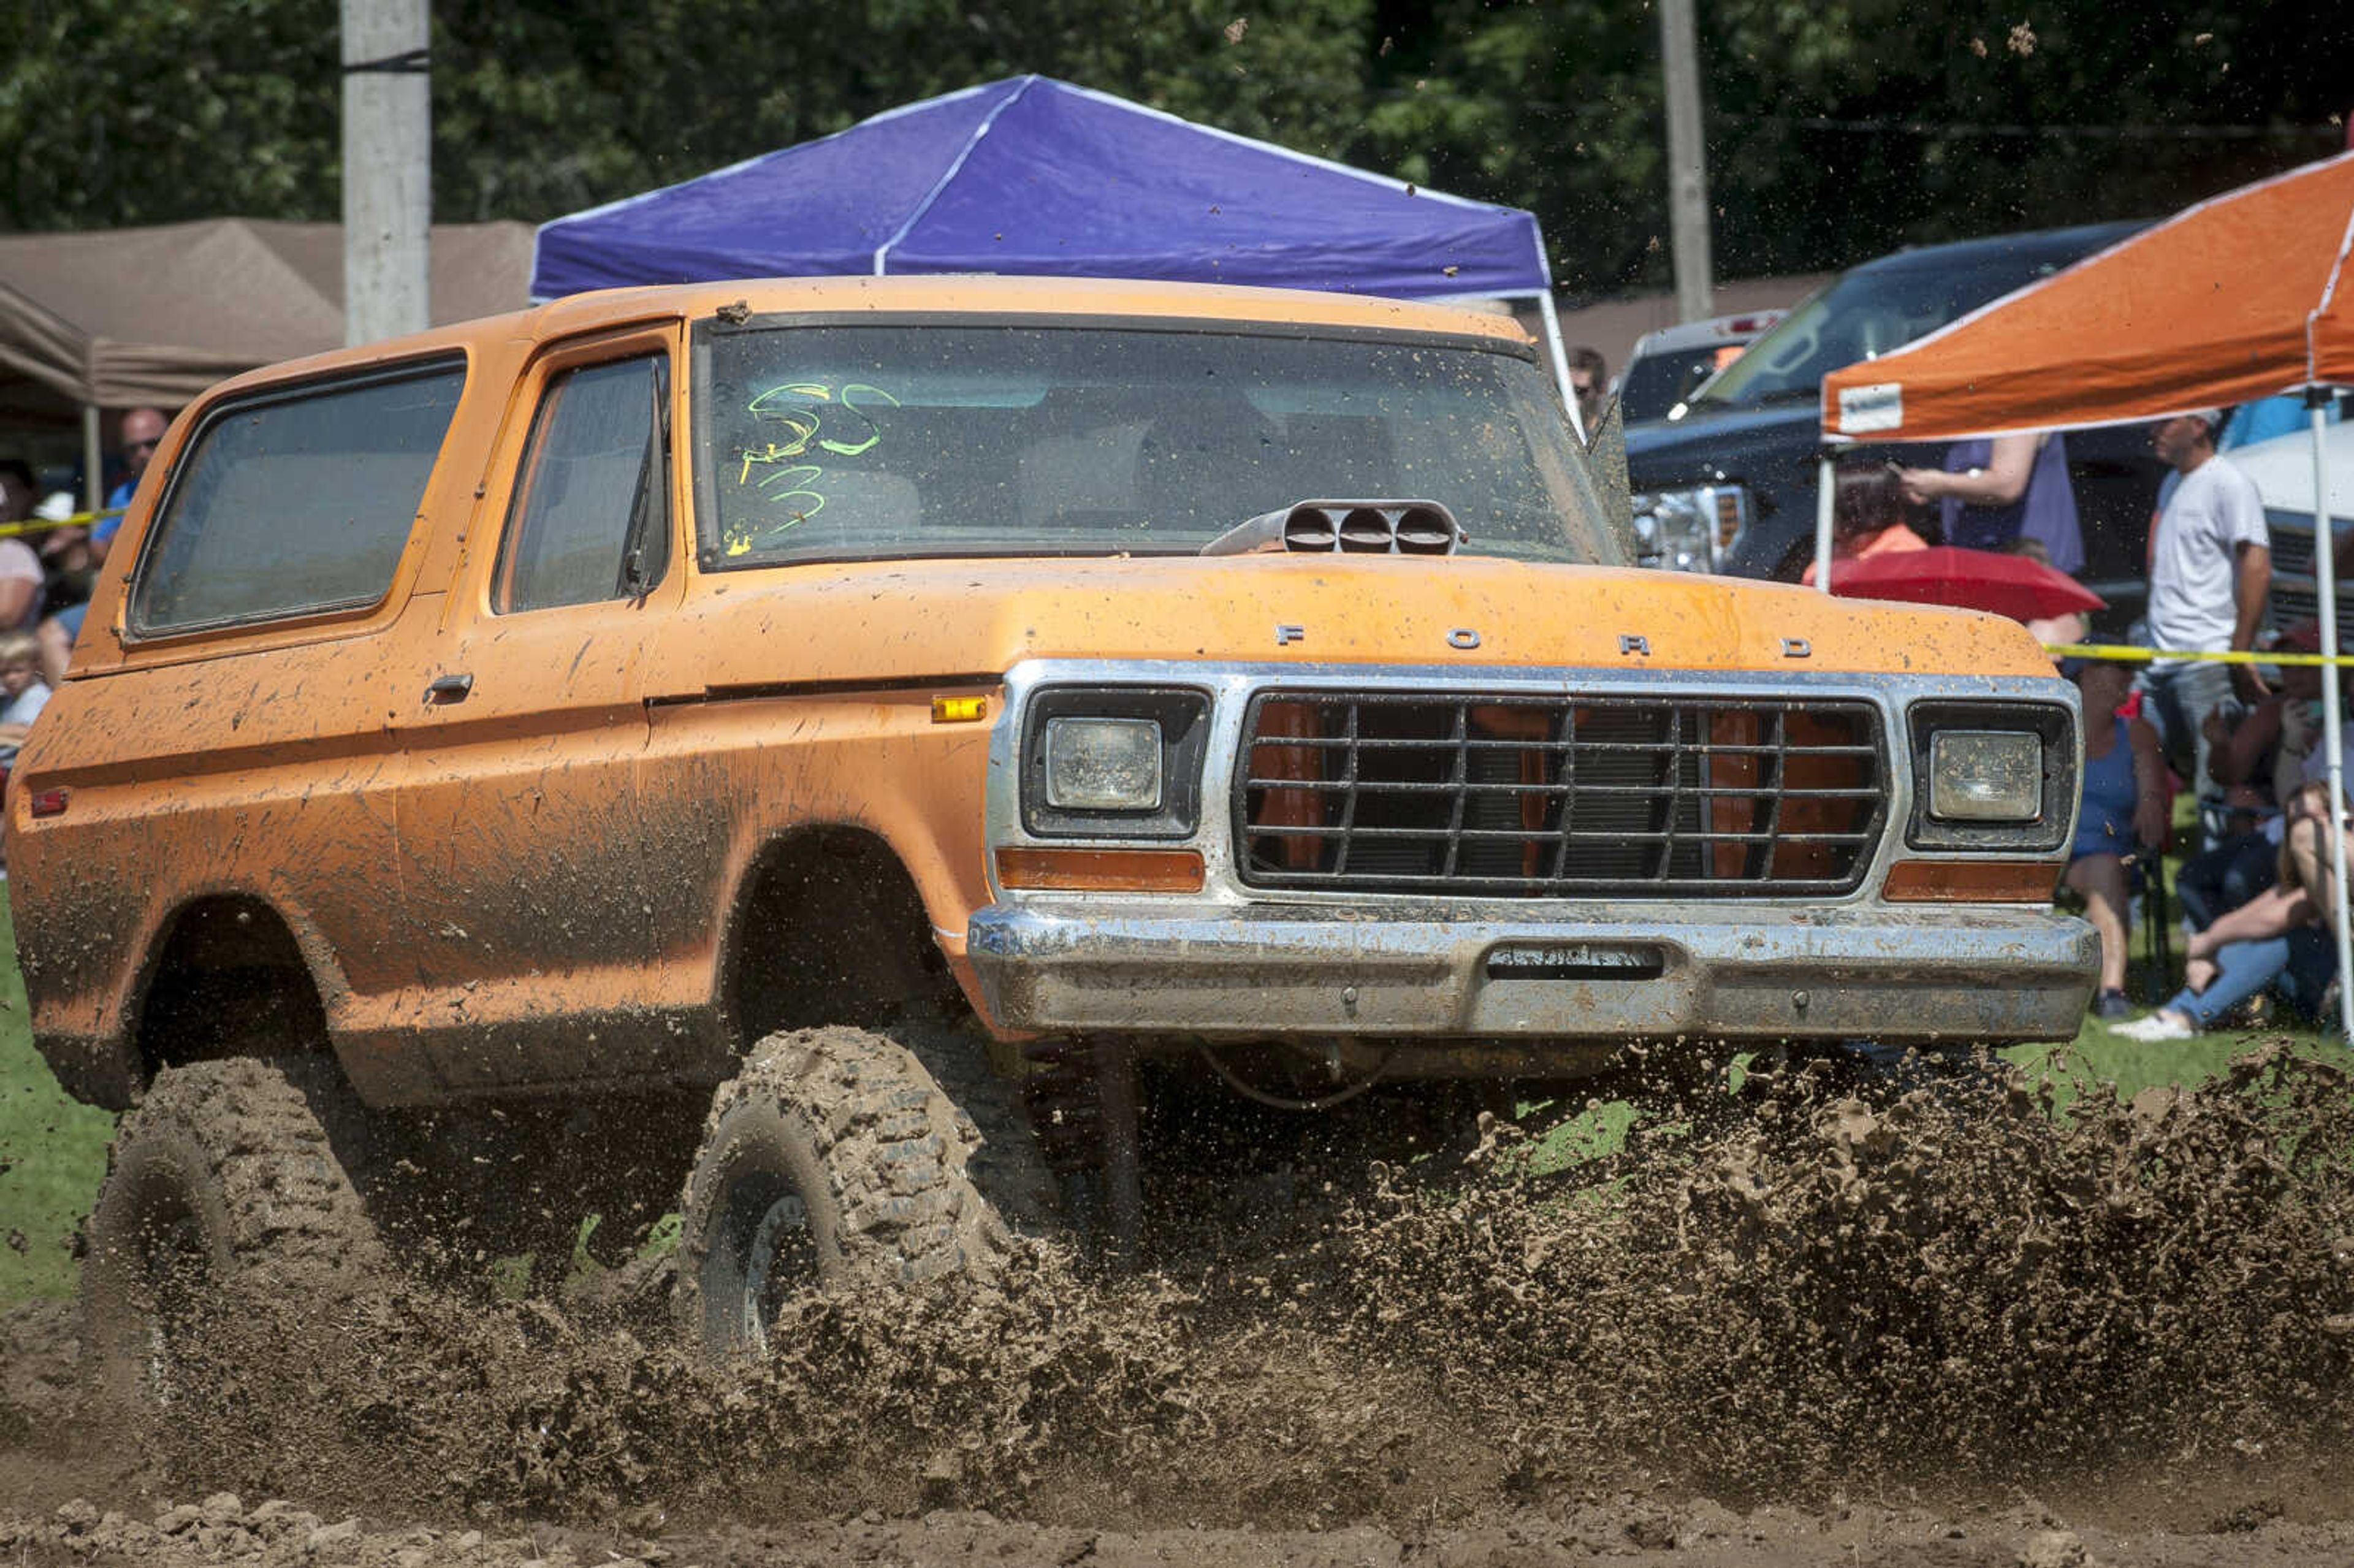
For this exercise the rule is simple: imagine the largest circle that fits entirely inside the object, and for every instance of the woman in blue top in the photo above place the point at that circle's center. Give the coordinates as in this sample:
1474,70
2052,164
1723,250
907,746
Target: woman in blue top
1990,493
2124,810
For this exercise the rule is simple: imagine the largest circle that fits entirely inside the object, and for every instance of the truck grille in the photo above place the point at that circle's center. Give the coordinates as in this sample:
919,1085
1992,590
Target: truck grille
1558,797
2292,539
2295,596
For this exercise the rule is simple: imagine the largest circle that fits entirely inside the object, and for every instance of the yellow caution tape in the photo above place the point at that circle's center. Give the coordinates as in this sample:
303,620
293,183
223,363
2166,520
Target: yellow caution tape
2122,655
43,525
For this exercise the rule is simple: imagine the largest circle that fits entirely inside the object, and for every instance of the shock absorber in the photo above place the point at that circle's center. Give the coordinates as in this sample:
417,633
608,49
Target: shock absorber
1083,1105
1066,1111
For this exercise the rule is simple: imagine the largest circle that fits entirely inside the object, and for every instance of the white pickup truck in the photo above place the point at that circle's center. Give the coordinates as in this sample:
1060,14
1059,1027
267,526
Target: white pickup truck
2283,470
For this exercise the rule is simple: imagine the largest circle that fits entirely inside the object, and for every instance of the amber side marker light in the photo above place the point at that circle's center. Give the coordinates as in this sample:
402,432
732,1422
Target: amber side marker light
1971,882
959,710
1100,871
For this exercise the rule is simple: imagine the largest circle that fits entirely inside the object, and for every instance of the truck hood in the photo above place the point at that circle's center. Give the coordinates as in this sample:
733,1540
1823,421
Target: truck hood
857,624
1771,447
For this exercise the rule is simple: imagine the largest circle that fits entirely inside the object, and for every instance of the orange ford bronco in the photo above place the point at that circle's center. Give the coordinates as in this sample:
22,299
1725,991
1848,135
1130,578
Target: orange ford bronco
827,695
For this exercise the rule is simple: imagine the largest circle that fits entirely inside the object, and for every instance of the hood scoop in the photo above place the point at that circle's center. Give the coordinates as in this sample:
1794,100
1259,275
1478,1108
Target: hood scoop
1345,527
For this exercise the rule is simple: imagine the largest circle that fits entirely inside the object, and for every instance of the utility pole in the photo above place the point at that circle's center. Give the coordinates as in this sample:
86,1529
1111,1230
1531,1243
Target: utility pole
387,167
1687,163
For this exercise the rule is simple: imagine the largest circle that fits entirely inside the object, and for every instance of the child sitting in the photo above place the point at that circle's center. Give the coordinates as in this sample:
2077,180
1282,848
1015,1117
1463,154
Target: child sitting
23,693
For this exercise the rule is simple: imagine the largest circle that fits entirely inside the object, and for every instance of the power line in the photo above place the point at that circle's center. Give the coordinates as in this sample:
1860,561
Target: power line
1958,129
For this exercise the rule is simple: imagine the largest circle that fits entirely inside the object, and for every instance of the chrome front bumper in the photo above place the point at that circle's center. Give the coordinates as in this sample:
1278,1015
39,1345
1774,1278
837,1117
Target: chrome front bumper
1719,971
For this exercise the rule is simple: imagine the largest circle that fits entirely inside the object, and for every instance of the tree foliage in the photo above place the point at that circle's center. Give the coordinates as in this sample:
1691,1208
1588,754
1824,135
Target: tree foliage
121,112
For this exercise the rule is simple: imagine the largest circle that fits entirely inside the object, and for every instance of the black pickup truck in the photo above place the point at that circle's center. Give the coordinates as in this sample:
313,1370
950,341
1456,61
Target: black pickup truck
1726,481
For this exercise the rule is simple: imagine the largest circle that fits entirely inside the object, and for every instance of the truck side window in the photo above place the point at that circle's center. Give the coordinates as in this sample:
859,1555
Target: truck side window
295,503
591,519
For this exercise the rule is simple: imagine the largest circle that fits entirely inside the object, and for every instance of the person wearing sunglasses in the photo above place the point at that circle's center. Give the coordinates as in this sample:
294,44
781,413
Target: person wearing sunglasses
143,431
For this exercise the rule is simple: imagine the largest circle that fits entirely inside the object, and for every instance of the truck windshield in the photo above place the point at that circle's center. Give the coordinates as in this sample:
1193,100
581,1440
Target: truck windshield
901,439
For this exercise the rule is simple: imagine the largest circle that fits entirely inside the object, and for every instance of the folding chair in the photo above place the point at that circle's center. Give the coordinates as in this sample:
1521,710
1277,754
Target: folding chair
2158,922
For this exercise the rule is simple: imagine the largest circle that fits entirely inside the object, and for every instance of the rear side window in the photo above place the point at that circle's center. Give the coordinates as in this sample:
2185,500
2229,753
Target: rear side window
295,503
591,519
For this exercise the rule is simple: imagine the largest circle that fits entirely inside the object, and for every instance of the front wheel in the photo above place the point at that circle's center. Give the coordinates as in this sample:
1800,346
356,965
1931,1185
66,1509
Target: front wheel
831,1160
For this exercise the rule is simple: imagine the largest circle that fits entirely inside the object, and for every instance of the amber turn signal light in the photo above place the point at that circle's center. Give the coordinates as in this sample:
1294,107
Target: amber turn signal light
1971,882
959,710
1100,871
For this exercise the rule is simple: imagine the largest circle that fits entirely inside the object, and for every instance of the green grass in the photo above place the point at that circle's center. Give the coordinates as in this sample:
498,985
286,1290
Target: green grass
52,1150
2133,1065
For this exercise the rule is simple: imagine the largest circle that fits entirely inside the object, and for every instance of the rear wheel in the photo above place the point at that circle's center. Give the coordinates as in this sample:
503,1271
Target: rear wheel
835,1161
225,1175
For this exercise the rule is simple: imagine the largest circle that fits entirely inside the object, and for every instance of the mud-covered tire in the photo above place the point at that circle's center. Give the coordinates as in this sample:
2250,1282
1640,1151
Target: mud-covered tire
832,1159
224,1175
1008,1165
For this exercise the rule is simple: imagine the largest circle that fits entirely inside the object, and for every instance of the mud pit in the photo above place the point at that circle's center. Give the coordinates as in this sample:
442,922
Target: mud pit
1942,1326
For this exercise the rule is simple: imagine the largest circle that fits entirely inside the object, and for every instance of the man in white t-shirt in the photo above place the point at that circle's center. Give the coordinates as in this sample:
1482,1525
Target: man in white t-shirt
2211,565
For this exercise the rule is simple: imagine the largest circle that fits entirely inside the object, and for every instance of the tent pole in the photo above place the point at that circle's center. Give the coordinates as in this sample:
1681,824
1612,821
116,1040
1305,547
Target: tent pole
2333,724
1823,480
93,461
1561,362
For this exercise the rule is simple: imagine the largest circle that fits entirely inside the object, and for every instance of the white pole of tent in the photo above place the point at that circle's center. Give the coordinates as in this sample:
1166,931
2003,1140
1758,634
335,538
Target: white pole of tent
2333,726
1823,523
93,460
1561,362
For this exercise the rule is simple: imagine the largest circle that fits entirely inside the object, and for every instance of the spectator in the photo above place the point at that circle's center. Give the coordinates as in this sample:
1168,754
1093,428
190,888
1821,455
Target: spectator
1589,378
143,431
2281,935
1990,493
23,694
2123,811
65,553
2266,747
17,490
56,637
2272,754
2237,869
22,697
2210,567
20,569
1867,513
2070,626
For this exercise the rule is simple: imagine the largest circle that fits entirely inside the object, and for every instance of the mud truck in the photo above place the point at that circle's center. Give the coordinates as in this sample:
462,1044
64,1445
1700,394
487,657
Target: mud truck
847,733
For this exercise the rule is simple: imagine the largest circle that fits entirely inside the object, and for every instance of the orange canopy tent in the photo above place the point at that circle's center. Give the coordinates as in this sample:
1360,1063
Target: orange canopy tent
2238,298
2245,296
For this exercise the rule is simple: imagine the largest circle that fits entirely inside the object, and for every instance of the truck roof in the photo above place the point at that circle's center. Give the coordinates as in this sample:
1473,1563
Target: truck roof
957,294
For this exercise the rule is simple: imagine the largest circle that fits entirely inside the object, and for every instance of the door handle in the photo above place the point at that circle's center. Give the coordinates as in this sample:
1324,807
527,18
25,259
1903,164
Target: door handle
443,690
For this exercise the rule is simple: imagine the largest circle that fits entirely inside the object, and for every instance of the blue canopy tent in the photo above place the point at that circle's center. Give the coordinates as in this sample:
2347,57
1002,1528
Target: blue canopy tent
1033,175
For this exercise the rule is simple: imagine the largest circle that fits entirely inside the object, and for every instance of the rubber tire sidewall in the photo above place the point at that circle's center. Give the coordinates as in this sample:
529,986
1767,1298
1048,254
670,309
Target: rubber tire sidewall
759,1139
164,1165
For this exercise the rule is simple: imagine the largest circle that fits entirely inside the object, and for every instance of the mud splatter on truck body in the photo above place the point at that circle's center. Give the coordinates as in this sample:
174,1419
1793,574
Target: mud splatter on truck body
853,686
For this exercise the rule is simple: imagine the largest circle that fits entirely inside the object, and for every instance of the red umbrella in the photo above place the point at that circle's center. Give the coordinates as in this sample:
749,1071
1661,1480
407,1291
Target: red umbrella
2016,585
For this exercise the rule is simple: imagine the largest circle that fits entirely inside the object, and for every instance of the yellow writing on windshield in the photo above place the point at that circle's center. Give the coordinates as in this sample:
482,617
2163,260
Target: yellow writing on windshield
791,417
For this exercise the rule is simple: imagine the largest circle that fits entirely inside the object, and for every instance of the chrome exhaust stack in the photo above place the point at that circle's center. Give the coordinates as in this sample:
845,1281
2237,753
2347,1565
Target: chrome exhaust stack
1345,527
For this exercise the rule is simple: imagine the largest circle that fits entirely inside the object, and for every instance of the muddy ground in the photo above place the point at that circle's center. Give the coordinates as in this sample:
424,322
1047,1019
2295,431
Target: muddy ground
1948,1324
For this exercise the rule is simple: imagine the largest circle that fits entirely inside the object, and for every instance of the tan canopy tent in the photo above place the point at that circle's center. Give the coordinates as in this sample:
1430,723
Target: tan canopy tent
122,318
